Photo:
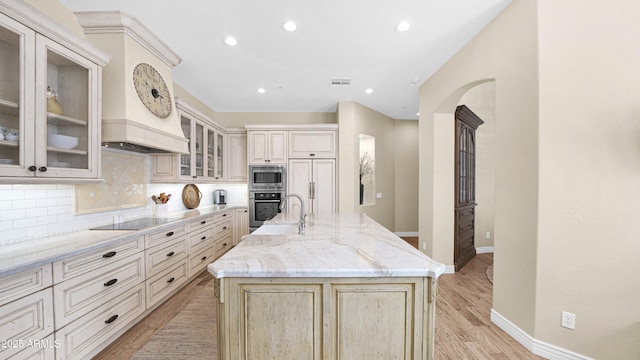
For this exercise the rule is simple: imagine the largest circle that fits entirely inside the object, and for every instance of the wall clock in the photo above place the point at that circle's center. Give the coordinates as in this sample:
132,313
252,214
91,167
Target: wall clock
152,90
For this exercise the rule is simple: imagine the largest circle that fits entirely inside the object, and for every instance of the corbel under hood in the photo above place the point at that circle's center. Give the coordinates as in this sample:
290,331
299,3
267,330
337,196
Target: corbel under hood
126,123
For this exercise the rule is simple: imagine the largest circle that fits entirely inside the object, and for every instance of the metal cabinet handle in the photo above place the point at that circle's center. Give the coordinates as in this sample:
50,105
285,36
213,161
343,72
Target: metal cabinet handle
170,233
204,258
111,319
111,282
171,280
171,254
33,168
203,222
109,254
42,169
202,238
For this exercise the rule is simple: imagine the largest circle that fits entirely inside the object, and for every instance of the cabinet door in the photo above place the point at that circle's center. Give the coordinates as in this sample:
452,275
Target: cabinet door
277,147
185,159
215,154
300,178
67,112
319,144
323,186
17,72
258,147
237,157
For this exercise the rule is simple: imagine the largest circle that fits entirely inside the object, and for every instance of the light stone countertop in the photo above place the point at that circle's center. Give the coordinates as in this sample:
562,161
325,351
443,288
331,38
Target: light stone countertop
333,245
25,255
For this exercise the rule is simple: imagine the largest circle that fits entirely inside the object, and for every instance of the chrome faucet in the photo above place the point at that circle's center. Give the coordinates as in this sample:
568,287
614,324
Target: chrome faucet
301,222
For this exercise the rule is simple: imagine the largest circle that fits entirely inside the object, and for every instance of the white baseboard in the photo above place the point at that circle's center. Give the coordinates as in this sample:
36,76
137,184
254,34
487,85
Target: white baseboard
406,233
537,347
484,250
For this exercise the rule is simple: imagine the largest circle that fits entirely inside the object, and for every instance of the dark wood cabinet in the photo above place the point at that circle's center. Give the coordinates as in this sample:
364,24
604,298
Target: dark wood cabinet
465,189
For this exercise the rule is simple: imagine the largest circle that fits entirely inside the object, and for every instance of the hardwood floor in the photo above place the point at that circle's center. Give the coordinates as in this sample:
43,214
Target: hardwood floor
463,327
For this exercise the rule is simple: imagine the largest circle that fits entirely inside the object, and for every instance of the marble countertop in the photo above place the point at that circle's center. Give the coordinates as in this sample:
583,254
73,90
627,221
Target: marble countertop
29,254
333,245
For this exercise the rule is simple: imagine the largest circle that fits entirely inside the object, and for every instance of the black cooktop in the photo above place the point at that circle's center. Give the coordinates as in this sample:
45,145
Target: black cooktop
137,224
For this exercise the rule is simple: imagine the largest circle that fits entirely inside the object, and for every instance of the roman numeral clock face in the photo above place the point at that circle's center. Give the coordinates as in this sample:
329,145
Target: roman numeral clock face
152,90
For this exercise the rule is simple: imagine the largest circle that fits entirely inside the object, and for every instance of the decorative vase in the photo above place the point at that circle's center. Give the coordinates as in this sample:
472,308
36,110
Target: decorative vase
361,193
53,106
161,210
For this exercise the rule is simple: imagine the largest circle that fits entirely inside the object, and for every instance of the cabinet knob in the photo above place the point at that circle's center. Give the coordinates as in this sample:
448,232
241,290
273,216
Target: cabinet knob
42,168
33,168
111,319
312,154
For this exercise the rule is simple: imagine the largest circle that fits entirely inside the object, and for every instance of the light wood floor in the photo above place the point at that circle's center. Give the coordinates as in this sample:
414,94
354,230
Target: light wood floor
463,328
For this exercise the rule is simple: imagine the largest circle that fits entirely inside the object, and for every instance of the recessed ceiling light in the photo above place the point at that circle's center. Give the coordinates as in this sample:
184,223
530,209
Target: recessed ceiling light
231,41
261,90
418,114
402,26
369,91
289,26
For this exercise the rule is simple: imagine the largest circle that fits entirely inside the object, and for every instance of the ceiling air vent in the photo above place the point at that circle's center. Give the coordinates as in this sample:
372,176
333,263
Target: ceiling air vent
340,82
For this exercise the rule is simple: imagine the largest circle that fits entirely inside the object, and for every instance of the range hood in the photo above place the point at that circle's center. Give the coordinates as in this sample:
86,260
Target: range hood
126,123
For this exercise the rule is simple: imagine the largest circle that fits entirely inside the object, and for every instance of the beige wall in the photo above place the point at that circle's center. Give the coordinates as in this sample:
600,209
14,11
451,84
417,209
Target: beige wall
59,13
567,160
589,123
504,52
406,175
354,119
239,119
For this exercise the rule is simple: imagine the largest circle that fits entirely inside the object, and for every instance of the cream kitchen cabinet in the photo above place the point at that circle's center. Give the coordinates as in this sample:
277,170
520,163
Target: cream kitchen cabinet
313,144
200,245
240,225
26,312
206,158
267,147
50,98
97,295
237,155
315,181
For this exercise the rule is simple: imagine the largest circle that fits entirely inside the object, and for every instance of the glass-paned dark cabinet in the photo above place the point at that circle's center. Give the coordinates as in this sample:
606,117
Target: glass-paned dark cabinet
465,195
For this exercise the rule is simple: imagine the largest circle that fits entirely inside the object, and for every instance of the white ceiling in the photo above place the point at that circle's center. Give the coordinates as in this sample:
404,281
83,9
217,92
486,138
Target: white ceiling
335,38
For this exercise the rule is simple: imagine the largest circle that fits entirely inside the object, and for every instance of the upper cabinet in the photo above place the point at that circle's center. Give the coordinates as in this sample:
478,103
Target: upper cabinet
267,147
312,144
237,155
49,100
207,151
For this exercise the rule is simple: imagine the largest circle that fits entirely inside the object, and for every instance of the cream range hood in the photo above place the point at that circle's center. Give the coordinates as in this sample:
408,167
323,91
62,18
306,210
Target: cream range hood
126,123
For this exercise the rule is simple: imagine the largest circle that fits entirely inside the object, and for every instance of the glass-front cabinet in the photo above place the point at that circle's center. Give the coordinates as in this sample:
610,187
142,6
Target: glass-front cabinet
205,160
49,110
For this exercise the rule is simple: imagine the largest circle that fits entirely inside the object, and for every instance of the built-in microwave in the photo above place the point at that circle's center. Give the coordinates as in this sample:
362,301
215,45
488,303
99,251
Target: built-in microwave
267,177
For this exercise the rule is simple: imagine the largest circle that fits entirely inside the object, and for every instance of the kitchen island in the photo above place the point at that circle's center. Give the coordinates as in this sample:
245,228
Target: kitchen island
345,289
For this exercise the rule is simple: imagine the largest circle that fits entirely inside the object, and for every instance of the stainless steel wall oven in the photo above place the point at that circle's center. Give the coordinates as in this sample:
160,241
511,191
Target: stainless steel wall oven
263,206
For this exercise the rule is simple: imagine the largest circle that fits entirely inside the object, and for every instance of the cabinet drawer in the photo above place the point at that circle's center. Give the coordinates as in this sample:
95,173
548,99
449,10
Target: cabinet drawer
82,294
44,349
165,283
223,228
198,240
81,264
162,256
28,318
27,282
164,236
86,336
199,224
200,260
223,245
220,217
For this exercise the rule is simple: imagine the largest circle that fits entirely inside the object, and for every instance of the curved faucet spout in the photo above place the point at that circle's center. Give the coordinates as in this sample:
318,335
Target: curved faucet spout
301,222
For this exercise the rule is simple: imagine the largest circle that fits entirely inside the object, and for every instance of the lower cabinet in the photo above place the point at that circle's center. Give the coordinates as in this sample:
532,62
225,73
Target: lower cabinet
325,318
25,320
74,308
240,225
86,336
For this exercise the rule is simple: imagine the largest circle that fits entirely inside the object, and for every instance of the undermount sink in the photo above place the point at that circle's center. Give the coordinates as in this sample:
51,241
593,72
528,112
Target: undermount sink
279,229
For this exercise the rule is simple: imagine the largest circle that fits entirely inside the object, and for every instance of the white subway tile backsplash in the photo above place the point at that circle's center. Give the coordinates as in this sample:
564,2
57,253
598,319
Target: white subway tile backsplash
29,211
13,214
